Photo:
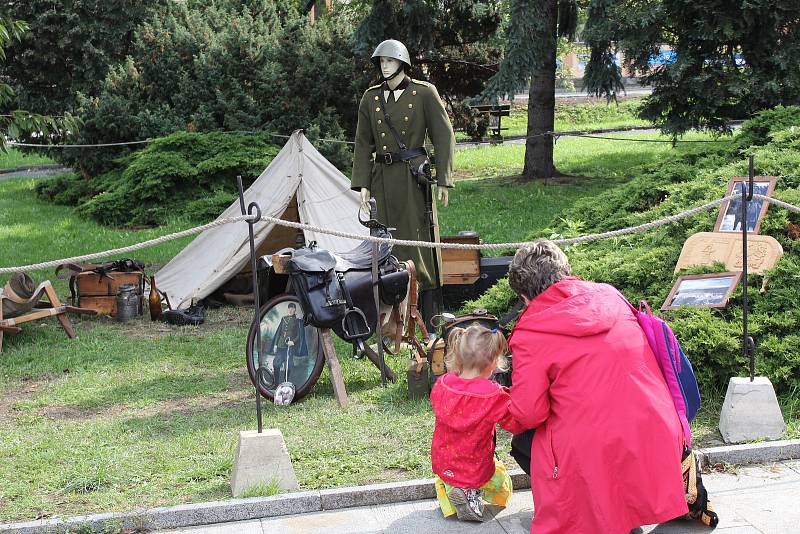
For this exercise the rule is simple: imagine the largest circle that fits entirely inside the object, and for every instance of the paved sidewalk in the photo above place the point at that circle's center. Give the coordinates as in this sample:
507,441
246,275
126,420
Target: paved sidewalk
752,500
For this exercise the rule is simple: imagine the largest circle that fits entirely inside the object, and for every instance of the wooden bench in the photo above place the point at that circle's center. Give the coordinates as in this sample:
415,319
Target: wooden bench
496,113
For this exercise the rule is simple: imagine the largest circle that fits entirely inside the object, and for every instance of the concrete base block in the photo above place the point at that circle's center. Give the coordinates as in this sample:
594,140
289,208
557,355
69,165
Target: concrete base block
262,459
750,411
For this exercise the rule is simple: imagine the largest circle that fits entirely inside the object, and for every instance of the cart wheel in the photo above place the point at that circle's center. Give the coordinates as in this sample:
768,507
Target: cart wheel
281,348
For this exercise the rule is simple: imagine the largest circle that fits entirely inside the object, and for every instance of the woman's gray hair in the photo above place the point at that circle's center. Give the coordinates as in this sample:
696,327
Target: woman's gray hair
536,267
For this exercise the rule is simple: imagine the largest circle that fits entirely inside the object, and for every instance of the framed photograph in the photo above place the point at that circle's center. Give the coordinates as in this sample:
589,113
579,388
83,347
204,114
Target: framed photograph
702,290
730,213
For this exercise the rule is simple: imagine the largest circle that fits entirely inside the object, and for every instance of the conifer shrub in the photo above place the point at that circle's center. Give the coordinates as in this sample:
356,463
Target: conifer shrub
641,265
184,175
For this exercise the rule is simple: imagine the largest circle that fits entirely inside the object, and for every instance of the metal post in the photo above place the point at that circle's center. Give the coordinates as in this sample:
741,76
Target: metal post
253,209
748,345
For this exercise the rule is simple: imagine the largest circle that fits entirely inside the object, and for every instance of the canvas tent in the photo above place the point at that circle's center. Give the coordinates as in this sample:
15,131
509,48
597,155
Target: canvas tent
298,185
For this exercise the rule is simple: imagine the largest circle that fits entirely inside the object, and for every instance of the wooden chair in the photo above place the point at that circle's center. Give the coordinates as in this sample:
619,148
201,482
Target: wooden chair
41,310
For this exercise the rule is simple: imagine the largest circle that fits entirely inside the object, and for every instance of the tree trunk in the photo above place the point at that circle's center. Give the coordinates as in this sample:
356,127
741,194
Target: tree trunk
542,103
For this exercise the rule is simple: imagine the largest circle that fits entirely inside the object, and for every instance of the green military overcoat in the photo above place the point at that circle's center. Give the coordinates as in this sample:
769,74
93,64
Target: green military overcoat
418,113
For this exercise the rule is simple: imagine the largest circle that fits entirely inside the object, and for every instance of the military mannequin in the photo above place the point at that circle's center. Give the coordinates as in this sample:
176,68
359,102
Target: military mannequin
384,169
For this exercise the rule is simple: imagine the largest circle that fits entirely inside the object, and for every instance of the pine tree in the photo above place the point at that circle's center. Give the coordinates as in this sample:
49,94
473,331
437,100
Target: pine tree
729,59
531,41
16,123
69,47
453,43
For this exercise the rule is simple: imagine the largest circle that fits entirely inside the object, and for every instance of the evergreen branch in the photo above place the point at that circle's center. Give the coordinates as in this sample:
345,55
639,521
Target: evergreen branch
524,54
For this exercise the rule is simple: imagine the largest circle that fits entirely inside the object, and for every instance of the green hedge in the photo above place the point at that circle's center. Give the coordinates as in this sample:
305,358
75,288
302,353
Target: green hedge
184,175
642,265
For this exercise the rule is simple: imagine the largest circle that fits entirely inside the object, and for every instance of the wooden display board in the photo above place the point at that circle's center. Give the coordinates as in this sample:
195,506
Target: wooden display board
707,248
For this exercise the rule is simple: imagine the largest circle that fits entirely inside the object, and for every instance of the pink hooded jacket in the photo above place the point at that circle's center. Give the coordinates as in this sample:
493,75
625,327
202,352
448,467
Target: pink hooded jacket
606,454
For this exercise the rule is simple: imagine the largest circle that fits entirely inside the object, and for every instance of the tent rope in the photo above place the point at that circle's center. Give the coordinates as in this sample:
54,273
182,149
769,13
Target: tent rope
403,242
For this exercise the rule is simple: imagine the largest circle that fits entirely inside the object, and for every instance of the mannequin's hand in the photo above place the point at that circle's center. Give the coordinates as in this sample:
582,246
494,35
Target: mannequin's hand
443,196
365,199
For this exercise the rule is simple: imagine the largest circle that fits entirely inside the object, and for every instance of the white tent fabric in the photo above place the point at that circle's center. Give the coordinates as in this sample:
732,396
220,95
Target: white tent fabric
324,199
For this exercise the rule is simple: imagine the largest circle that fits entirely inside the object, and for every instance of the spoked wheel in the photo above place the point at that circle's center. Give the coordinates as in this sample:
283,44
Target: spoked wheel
281,349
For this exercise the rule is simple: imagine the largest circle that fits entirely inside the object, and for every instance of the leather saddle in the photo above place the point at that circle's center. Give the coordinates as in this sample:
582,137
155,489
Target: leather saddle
336,289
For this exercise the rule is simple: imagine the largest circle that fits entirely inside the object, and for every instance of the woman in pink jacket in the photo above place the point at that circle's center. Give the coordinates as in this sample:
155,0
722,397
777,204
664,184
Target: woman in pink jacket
606,451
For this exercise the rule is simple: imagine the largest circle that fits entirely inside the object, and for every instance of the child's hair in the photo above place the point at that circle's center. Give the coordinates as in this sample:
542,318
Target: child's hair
475,347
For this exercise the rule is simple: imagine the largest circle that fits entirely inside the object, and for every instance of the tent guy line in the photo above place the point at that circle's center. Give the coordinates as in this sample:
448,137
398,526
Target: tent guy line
427,244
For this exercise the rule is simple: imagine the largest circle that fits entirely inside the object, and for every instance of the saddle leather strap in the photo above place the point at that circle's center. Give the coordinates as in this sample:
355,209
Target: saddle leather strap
414,319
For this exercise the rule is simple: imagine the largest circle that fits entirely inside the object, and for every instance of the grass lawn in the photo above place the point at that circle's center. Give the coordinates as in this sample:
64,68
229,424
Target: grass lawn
16,158
143,414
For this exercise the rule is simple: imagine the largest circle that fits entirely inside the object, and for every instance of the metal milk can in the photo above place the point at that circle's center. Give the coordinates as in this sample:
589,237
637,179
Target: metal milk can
127,303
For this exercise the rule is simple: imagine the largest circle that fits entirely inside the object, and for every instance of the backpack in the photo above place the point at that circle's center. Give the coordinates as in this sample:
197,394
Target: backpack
673,363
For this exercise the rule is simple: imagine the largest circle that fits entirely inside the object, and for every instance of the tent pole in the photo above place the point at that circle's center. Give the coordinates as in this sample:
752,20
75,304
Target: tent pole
253,209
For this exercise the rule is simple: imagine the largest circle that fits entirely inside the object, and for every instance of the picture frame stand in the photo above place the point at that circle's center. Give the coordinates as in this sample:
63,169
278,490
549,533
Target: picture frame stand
750,410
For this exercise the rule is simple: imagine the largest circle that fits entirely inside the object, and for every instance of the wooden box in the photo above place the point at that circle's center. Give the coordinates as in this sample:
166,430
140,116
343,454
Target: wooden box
461,267
99,293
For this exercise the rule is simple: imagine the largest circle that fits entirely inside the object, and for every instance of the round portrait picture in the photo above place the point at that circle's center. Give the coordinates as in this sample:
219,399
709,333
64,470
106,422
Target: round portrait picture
284,351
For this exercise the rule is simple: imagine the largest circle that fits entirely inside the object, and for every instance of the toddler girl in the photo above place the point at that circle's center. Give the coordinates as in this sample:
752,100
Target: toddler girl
467,406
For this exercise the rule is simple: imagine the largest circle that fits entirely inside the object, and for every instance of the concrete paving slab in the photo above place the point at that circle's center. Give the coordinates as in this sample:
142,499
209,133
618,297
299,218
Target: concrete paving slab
793,464
772,509
239,527
753,500
750,478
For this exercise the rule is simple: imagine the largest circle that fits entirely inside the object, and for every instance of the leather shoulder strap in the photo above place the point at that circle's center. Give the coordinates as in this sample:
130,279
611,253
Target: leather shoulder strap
389,122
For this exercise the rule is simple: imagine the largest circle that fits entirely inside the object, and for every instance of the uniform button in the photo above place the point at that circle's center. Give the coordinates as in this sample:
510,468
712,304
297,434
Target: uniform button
380,121
405,119
383,134
413,93
376,98
377,109
403,132
411,105
384,147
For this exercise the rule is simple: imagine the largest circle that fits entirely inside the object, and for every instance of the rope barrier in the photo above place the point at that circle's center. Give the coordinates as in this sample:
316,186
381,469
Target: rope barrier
125,250
123,143
587,134
403,242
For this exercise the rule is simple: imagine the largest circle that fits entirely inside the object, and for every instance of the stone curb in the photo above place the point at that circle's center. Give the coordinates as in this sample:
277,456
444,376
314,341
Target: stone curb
751,453
189,515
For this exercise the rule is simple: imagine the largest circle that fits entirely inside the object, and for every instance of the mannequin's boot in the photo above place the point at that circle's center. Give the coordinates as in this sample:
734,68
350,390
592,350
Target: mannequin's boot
430,304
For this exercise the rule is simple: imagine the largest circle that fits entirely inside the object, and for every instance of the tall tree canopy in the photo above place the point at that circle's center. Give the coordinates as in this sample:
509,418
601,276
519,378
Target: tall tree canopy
531,41
15,123
69,47
730,59
453,43
228,65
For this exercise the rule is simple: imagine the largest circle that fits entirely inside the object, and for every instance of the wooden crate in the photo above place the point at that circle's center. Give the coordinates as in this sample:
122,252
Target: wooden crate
461,267
100,292
102,305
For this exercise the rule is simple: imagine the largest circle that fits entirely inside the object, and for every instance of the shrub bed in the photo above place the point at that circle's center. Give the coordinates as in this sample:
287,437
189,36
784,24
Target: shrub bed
641,265
183,175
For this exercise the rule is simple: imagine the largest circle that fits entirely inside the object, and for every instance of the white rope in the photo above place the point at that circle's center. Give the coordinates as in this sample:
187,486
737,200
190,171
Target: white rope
402,242
125,250
34,145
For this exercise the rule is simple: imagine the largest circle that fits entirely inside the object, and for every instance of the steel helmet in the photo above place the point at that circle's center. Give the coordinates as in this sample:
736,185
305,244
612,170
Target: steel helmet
393,49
